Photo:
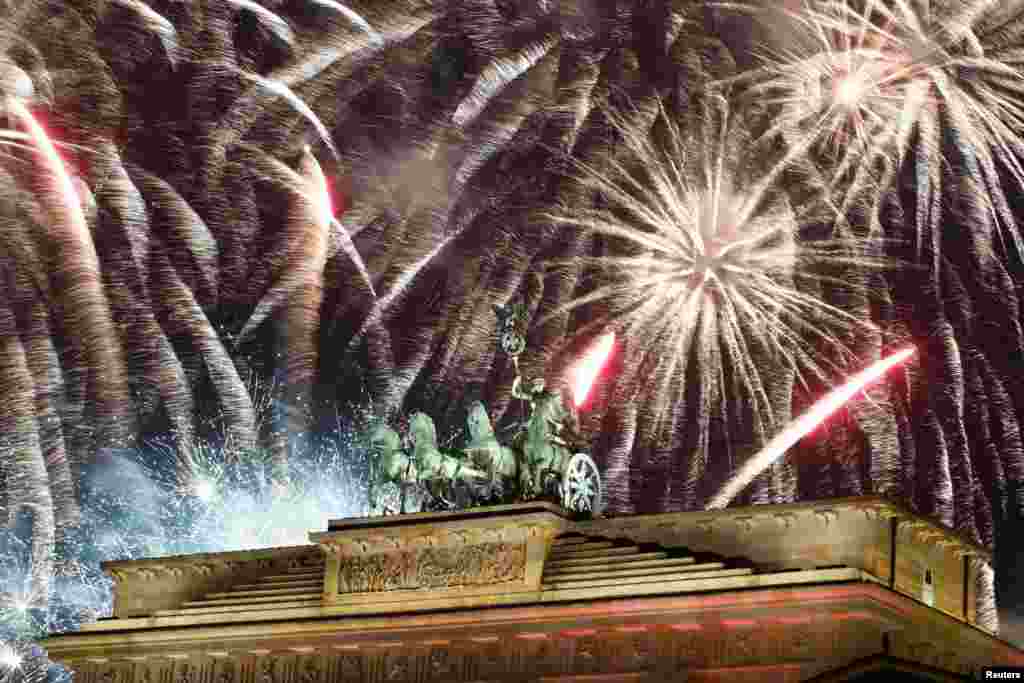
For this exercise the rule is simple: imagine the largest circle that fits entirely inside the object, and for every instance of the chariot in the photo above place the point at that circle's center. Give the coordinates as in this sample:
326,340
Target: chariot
539,465
545,459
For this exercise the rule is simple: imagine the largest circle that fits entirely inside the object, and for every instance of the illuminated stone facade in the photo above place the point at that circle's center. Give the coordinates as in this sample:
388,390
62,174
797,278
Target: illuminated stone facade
520,593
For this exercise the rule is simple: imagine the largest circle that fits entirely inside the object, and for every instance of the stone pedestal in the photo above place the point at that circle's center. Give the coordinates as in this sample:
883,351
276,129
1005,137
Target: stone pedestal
464,559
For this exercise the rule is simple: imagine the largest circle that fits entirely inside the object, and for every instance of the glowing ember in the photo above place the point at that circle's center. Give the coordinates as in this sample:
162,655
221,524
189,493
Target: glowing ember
205,490
589,367
8,657
849,90
318,184
804,425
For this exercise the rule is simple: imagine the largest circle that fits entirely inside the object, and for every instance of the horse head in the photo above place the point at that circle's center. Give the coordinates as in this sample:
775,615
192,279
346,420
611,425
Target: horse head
384,439
423,431
479,423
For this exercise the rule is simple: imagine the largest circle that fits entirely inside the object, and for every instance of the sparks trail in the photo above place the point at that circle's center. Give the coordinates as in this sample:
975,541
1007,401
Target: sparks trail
78,265
586,372
803,426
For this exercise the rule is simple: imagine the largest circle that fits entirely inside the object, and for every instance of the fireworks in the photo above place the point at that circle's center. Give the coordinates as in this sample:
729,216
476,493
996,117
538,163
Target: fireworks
134,505
711,277
170,244
589,367
804,425
878,83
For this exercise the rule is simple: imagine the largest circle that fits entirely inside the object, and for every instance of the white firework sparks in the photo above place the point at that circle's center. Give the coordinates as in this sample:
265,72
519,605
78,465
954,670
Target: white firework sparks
712,255
138,506
880,82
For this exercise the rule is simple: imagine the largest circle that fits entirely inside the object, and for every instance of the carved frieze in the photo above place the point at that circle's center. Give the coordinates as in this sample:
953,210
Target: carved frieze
265,671
689,647
351,667
380,542
441,665
157,571
877,510
801,641
637,651
744,523
634,650
706,526
488,661
309,672
587,655
227,673
827,516
742,646
785,520
185,674
444,567
398,667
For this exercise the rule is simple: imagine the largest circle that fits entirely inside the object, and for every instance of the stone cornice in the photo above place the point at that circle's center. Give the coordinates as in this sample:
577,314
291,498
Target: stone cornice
148,585
456,531
749,519
862,598
355,523
203,563
419,539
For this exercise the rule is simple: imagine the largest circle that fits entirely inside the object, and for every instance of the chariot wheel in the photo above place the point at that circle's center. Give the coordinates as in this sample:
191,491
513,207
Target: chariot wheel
581,485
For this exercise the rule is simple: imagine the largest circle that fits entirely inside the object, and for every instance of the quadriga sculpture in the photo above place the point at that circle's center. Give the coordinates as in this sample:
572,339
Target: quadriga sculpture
540,465
544,461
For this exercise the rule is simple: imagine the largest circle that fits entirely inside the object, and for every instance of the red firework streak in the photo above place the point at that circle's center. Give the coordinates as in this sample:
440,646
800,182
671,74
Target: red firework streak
589,367
805,424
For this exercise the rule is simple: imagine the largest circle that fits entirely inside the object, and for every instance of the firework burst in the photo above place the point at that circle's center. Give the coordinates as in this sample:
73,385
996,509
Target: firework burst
877,83
136,505
709,271
198,256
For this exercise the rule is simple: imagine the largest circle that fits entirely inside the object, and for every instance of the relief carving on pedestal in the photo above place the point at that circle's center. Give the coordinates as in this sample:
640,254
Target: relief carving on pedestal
374,574
433,568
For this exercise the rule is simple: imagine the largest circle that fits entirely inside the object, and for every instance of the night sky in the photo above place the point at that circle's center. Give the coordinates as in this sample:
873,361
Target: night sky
459,136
